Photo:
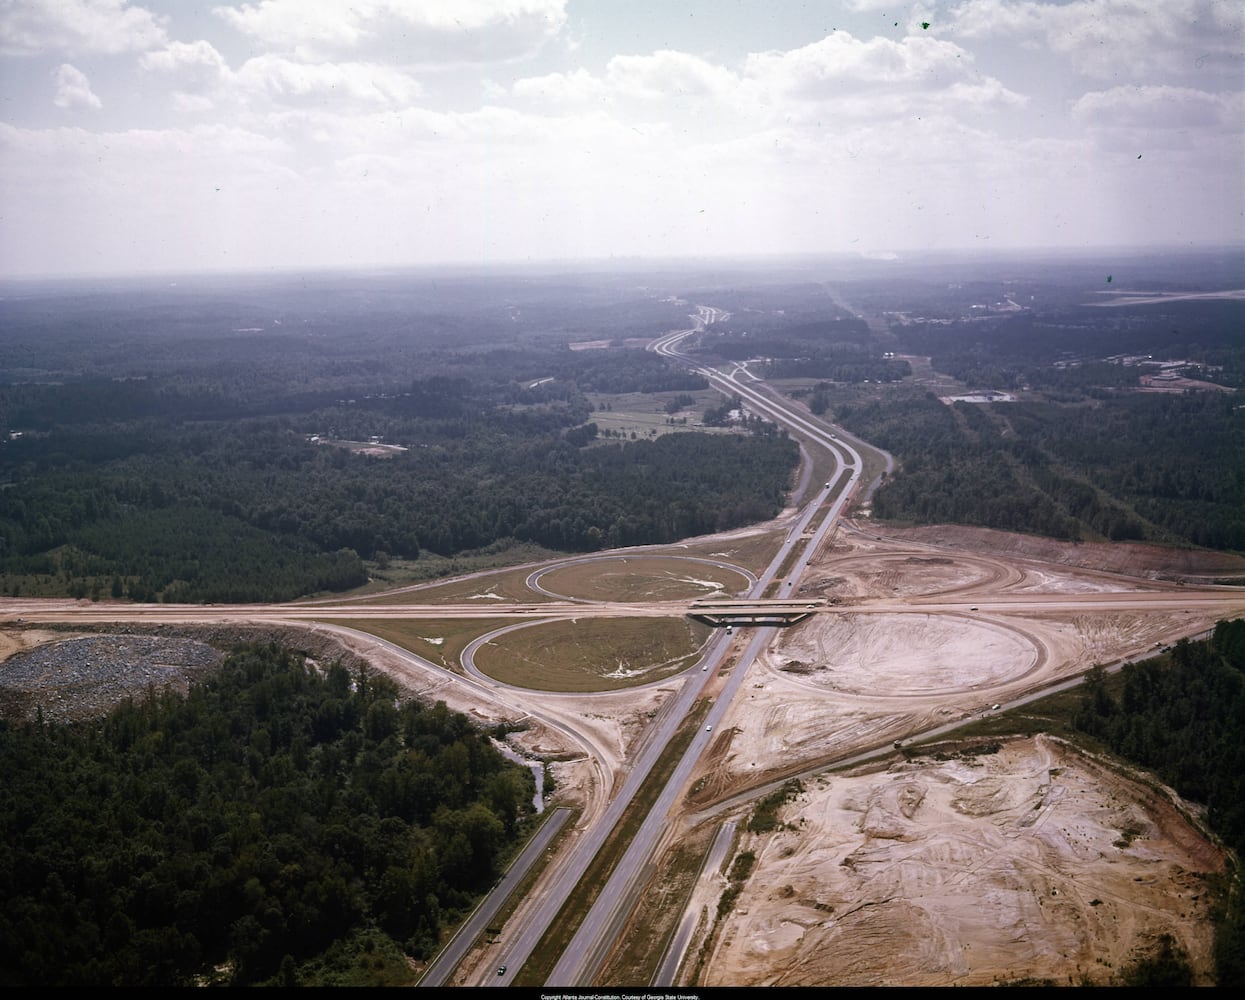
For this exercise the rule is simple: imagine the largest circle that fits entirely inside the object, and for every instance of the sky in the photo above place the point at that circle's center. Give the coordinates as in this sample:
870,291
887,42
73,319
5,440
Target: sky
172,135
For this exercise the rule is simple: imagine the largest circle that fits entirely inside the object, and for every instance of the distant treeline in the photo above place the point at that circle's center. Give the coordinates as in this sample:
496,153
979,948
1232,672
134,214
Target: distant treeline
243,508
1065,348
248,827
1167,468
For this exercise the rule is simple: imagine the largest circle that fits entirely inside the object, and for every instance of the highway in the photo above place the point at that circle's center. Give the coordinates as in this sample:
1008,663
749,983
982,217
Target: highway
596,934
715,858
599,931
809,532
441,968
46,611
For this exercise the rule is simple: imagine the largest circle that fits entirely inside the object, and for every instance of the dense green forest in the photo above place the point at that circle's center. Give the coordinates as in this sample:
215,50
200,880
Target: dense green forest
1079,459
1080,456
254,825
1168,468
839,349
255,511
1183,716
204,446
1070,347
200,441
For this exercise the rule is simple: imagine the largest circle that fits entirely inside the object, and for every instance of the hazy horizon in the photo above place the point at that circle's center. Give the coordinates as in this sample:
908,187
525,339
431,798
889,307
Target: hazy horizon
161,139
1230,272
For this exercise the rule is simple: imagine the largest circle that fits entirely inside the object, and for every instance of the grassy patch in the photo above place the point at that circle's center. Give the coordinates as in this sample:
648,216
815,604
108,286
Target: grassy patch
765,816
656,917
742,866
1052,714
643,578
368,958
634,415
753,551
593,654
506,584
421,637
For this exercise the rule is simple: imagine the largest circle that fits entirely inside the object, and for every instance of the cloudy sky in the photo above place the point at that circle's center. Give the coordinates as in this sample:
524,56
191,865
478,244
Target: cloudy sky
166,135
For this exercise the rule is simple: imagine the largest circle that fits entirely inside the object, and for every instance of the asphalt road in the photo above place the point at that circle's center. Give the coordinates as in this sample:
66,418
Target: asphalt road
600,928
715,857
443,966
812,527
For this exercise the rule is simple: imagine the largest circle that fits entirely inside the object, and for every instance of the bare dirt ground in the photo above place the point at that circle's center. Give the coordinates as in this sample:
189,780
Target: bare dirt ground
1132,558
1030,863
834,681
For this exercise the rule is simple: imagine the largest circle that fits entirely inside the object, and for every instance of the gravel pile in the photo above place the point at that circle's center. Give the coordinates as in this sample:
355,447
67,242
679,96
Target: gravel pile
84,677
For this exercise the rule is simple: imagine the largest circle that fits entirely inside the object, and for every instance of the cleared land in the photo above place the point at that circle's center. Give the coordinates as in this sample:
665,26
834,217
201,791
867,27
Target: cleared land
642,578
1033,862
592,655
643,414
1029,862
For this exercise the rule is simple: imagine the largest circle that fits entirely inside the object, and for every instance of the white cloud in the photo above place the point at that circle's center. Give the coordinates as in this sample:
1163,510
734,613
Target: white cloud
667,74
1161,107
69,144
868,5
197,71
142,199
120,168
439,31
203,80
193,62
328,148
1112,38
576,87
73,89
840,62
32,27
191,104
284,80
1193,127
836,76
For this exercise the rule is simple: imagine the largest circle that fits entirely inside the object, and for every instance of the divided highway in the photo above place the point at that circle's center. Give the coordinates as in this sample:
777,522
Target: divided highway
594,939
598,933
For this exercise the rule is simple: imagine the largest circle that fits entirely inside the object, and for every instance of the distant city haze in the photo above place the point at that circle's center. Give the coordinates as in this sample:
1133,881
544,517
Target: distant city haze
161,136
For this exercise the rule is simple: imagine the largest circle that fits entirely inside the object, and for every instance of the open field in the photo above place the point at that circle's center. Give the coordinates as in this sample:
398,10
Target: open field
437,641
642,578
398,574
643,414
489,586
1011,863
1032,862
591,655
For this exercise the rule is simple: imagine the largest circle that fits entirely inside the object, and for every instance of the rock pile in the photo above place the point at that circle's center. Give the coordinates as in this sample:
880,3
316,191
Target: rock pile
84,677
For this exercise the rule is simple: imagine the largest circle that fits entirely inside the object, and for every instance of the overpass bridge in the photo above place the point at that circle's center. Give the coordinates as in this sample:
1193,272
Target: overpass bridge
756,611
